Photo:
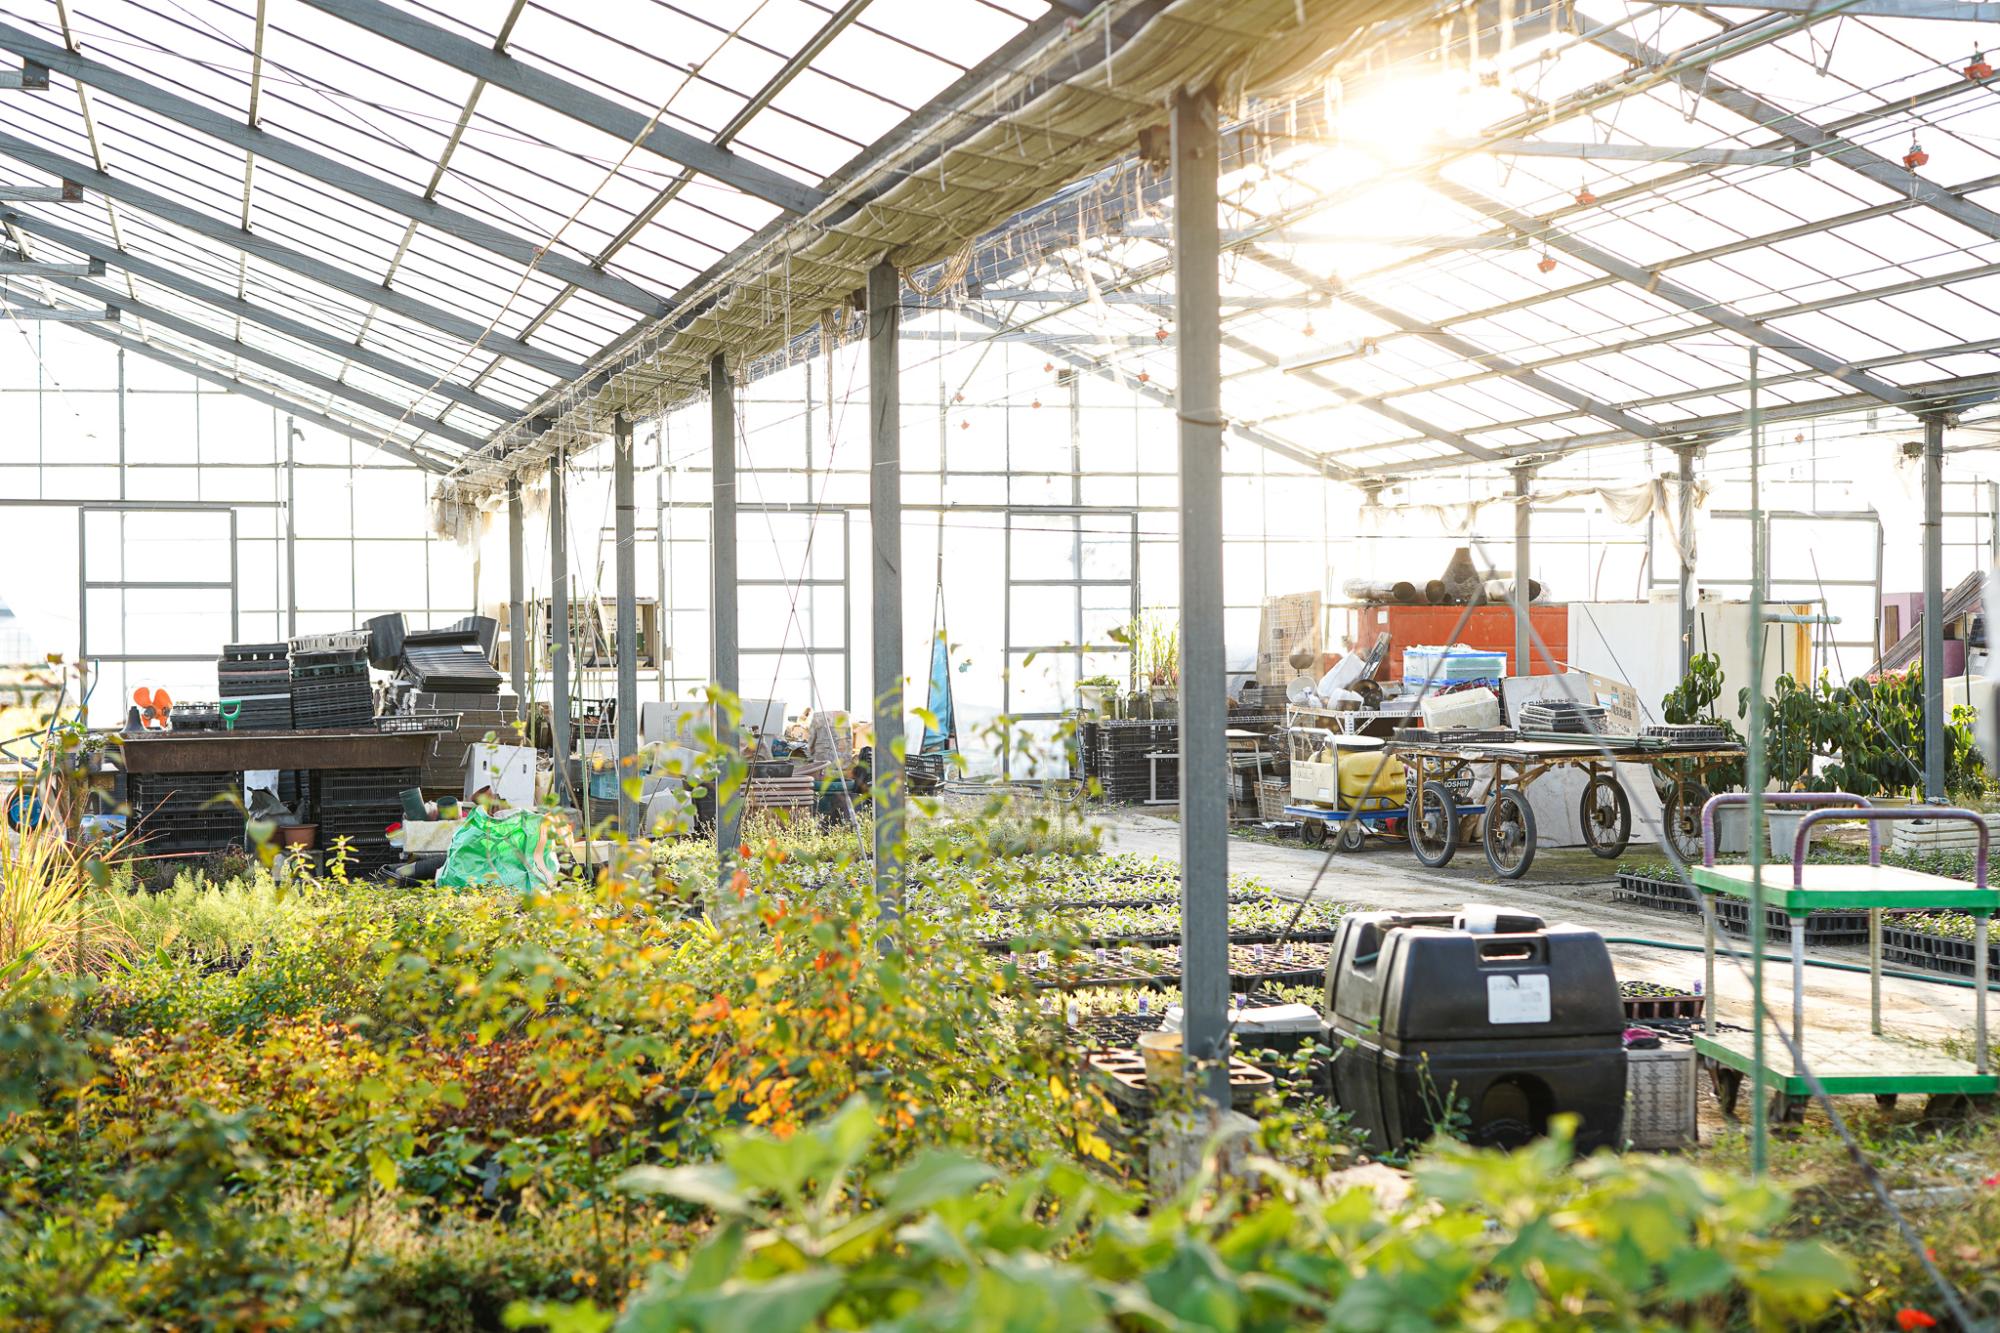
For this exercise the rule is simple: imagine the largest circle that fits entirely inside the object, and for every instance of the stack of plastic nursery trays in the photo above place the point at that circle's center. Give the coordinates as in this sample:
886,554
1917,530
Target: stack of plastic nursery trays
330,681
186,814
254,684
359,804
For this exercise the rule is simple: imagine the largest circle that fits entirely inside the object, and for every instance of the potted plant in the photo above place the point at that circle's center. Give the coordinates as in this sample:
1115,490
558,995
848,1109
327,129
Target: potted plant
1098,695
1156,660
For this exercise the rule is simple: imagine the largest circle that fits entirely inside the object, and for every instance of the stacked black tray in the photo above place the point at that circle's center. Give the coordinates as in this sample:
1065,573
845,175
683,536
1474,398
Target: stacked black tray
257,679
1114,752
359,804
330,681
1561,717
186,814
1685,733
448,661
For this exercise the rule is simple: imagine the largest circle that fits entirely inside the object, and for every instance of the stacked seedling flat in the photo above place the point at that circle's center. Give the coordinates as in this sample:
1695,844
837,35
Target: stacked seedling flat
254,681
1561,717
360,804
1940,941
330,682
1114,753
1686,733
186,814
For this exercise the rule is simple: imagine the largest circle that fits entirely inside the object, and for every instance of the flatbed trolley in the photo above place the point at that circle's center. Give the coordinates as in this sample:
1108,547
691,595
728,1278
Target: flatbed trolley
1511,767
1875,1064
1320,806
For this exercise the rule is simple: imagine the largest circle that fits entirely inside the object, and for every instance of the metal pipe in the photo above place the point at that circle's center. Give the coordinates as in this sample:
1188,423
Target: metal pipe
885,525
626,573
291,529
1204,758
517,597
1685,543
1933,643
722,596
1523,665
559,630
1754,762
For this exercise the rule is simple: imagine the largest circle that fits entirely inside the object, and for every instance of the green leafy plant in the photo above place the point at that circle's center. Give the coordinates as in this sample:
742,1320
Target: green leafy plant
804,1238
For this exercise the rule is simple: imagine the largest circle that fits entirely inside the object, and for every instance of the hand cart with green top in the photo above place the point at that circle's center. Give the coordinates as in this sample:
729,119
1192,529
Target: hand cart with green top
1877,1063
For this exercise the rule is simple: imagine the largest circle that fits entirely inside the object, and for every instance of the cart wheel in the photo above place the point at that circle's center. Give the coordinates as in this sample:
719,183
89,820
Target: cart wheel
1434,826
1886,1100
1680,819
1606,816
1787,1109
1947,1106
1728,1086
1353,835
1312,832
1509,833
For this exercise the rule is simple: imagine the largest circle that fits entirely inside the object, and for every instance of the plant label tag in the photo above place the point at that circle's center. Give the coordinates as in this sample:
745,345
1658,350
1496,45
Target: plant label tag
1519,998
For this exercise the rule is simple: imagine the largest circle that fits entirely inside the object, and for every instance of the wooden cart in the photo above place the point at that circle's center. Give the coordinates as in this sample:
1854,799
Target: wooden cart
1512,766
1876,1064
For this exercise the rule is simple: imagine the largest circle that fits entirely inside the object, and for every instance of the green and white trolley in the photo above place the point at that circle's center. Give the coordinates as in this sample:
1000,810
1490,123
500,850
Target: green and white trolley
1876,1064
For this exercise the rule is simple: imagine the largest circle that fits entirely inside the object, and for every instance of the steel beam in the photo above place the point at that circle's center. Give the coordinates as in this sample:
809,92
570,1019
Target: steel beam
326,384
69,192
1204,748
1769,115
1633,152
270,396
307,332
1523,524
885,527
21,267
1672,293
625,567
1458,346
1470,448
1066,350
280,256
1960,11
332,171
579,104
1933,623
722,598
559,630
517,599
61,315
1684,457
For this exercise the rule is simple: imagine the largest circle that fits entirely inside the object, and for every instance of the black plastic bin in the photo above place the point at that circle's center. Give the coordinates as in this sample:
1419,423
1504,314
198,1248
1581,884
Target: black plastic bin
1508,1027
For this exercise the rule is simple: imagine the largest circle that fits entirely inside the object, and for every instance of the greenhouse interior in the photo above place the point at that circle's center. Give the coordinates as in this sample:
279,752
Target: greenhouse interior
998,664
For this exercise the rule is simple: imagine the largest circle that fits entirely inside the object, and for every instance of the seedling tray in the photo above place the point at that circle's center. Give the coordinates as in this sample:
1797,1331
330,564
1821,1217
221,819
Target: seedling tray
1663,895
1675,1005
1832,926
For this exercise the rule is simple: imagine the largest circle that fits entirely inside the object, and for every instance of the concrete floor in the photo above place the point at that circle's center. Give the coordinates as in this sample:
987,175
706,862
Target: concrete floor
1571,885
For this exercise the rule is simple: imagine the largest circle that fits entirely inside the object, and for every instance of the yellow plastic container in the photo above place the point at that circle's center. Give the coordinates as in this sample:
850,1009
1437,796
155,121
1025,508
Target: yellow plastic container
1369,775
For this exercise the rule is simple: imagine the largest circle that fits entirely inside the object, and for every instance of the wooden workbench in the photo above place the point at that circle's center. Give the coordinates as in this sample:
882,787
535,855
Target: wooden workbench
246,751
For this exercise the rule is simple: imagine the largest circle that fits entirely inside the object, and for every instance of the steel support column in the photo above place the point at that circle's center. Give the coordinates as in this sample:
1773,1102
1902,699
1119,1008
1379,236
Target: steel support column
517,598
1933,646
722,595
1204,762
559,630
625,571
1684,507
885,524
1523,663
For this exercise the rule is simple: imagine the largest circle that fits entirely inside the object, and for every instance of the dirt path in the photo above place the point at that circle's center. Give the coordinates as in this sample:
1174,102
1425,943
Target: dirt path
1574,886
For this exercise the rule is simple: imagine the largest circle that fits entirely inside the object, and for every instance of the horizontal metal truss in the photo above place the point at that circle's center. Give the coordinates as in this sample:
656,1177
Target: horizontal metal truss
579,104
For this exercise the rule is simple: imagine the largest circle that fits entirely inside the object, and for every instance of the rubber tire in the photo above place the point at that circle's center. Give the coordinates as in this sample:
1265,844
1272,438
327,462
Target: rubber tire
1312,832
1670,814
1609,851
1447,804
1353,836
1494,801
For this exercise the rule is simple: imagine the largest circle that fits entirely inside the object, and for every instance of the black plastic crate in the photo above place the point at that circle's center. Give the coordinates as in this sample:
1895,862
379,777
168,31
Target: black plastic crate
1665,895
1823,928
